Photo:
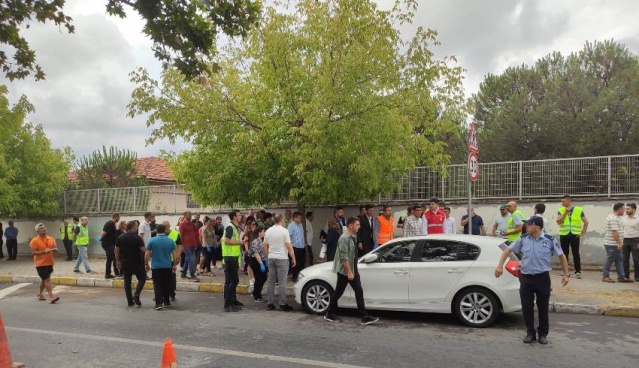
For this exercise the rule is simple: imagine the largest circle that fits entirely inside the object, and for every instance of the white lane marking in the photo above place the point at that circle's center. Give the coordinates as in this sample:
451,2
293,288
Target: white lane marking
59,289
11,289
241,354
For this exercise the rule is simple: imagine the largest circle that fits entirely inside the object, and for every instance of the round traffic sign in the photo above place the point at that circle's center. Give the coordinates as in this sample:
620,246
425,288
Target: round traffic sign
473,166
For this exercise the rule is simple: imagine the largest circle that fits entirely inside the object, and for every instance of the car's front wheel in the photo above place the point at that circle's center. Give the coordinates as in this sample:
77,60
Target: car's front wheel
476,307
316,297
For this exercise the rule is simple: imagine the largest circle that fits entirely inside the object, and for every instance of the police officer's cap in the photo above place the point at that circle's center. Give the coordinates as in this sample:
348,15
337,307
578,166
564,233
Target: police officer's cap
535,220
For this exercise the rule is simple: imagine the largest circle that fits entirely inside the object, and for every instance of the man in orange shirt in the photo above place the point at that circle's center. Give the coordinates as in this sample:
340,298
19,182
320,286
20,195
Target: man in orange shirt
43,247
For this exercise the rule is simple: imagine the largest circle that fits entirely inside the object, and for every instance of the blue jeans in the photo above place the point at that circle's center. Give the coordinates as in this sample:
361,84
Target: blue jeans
82,258
189,262
613,254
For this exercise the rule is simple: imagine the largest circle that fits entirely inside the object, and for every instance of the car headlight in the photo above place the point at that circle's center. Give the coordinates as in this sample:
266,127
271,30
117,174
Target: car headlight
300,276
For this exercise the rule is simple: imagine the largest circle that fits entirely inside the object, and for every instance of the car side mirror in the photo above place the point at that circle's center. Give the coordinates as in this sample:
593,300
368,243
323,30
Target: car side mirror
370,258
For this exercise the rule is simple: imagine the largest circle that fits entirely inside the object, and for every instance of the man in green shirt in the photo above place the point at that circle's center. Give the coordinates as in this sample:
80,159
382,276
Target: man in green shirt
345,265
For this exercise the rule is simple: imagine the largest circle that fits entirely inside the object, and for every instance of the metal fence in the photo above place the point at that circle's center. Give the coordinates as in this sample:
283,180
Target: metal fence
605,176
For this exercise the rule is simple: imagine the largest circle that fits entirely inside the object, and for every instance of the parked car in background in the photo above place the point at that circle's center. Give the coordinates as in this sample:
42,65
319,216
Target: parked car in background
434,273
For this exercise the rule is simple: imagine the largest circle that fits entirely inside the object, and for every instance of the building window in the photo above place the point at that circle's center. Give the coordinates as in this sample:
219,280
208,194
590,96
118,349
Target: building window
190,203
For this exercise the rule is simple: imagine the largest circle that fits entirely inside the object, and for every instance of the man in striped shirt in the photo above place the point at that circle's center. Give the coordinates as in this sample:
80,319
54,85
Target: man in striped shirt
613,244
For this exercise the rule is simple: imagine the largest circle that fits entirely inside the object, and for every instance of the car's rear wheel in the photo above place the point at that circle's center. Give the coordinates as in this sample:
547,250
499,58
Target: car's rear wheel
316,297
476,307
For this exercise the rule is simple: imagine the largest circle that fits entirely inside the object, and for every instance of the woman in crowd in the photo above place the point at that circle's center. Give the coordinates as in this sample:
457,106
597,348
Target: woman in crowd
247,238
208,242
332,238
258,263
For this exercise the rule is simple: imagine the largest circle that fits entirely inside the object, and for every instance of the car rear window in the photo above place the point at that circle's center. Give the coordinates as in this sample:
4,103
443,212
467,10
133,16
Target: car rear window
511,255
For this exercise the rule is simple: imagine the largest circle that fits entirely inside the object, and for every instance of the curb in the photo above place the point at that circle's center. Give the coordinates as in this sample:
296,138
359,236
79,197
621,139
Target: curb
604,310
203,287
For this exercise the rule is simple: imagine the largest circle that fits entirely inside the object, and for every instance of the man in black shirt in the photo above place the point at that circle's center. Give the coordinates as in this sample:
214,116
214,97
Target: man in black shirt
129,249
109,236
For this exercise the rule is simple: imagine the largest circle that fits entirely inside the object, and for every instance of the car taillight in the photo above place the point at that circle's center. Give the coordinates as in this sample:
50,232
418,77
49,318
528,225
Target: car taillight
514,267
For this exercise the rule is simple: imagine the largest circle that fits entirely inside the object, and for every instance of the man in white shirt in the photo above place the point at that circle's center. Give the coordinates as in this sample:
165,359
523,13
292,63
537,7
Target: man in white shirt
310,236
278,248
539,211
631,240
449,222
613,244
145,228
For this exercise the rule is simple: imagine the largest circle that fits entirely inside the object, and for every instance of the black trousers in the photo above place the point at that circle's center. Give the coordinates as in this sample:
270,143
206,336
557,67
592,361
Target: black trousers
300,262
173,285
311,257
109,249
260,278
68,248
568,242
356,284
231,279
128,270
1,243
162,285
538,286
12,248
630,248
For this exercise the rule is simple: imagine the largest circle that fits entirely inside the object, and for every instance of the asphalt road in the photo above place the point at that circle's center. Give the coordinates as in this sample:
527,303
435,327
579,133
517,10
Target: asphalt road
92,327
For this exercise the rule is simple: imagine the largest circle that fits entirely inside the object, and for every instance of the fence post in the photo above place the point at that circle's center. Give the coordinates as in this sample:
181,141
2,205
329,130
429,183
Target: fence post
99,201
609,176
444,186
174,198
135,202
65,202
521,179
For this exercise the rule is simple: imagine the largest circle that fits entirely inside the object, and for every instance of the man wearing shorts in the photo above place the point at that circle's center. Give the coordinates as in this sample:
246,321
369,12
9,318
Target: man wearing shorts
43,247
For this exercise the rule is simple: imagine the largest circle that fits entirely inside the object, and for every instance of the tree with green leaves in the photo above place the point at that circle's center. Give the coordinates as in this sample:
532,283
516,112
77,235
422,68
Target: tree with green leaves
183,32
585,104
322,104
108,168
33,174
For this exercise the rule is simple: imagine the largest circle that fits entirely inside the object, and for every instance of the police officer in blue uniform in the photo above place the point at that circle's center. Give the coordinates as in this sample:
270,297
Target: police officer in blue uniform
536,249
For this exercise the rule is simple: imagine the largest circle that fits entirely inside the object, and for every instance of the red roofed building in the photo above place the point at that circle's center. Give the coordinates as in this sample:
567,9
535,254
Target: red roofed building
154,169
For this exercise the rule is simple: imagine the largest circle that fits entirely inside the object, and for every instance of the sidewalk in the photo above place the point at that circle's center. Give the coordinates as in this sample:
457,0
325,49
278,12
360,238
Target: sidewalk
23,270
588,295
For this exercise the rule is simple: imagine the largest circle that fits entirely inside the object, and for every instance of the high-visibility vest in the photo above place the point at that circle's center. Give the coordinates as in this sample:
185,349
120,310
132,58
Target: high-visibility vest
386,229
435,221
82,239
231,250
511,225
173,235
572,223
69,229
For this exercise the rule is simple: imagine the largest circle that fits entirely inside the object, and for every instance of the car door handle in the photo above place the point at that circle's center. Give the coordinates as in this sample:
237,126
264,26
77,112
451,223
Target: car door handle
401,272
455,270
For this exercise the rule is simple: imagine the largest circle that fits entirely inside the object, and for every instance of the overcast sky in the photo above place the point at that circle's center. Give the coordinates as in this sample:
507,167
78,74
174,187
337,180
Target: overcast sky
82,103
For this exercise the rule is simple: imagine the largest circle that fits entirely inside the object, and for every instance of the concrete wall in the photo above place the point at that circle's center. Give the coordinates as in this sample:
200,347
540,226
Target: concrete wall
592,251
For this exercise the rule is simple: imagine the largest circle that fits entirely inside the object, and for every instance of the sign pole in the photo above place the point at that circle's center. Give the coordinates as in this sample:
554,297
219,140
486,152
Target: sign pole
470,206
473,171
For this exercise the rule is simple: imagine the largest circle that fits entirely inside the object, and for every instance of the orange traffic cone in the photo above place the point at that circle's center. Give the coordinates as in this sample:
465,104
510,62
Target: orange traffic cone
168,355
5,354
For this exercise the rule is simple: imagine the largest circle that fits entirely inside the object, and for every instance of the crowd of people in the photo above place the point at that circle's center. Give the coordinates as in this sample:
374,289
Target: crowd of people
272,247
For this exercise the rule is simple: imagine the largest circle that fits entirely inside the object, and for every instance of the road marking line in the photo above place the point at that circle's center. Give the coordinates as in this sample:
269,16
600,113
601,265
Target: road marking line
11,289
201,349
59,289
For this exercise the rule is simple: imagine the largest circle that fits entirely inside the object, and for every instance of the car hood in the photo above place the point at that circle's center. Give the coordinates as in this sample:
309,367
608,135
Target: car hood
318,268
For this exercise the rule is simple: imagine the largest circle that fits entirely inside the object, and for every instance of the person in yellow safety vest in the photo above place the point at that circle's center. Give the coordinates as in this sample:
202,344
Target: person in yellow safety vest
515,222
175,236
386,226
66,235
231,252
573,224
81,240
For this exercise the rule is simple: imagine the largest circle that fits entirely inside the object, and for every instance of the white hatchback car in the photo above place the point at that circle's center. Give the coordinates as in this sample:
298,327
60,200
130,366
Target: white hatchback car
433,273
